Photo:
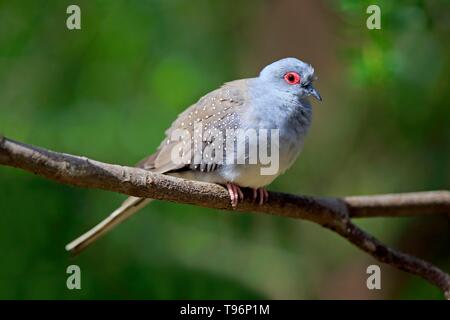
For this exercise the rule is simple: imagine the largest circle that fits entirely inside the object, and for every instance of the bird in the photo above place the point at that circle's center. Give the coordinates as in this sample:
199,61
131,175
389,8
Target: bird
277,99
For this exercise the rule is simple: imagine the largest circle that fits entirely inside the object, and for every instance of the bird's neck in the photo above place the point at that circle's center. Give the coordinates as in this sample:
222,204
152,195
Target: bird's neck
273,110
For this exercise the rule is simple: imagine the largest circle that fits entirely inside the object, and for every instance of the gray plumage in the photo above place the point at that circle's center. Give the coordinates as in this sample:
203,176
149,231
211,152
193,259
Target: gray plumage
265,102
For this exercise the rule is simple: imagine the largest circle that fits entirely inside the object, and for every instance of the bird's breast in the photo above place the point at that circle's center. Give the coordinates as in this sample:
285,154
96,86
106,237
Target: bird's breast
292,125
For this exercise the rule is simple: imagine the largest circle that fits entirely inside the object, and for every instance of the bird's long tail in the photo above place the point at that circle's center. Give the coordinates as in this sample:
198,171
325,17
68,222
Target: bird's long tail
127,209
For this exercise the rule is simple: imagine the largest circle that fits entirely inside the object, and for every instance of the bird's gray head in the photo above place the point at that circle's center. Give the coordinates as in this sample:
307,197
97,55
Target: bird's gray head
292,76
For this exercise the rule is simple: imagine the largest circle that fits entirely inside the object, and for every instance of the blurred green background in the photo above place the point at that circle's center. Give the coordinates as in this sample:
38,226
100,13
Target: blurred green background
109,90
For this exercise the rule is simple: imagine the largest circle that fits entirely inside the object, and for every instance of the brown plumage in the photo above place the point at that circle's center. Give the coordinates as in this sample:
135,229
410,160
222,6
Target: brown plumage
217,110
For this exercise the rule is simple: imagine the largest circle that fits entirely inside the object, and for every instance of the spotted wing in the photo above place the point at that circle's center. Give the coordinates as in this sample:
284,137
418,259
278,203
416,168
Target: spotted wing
214,113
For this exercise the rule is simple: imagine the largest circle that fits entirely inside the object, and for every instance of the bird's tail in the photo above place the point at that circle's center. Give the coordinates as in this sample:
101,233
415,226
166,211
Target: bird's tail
128,208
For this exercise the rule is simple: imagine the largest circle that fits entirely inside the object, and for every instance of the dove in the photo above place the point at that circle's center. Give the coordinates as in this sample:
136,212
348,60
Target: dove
276,100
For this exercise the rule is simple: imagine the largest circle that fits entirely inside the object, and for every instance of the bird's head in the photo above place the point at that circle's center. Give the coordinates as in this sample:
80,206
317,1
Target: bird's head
291,75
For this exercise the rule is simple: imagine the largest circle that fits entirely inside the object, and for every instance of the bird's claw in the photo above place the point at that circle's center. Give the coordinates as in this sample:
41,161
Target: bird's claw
262,193
235,193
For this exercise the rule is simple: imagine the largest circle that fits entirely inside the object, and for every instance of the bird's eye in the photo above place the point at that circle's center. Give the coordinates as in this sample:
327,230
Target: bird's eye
292,77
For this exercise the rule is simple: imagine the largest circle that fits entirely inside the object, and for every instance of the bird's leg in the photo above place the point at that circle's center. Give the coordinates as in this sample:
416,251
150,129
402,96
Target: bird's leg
232,194
263,195
235,194
266,195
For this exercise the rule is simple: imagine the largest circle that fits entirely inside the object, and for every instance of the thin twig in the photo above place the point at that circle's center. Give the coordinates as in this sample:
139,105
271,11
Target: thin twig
331,213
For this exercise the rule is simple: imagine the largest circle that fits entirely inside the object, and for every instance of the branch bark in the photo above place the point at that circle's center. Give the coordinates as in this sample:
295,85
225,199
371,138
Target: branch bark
332,213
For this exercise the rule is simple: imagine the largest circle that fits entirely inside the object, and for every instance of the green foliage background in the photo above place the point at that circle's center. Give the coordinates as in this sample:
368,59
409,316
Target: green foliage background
109,90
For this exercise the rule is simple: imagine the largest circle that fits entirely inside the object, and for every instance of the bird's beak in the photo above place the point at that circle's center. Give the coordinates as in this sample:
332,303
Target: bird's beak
313,92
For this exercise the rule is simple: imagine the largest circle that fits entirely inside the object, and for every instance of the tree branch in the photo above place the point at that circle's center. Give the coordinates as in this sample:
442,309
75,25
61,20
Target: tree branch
331,213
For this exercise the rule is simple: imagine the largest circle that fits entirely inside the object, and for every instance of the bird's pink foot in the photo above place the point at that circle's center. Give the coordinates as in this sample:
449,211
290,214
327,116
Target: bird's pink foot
235,194
262,193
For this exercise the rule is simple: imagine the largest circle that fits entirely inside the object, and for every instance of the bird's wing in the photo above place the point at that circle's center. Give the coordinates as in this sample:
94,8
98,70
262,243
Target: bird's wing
218,110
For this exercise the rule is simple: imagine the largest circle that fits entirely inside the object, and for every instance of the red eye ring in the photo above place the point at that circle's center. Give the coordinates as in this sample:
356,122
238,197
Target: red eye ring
292,77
